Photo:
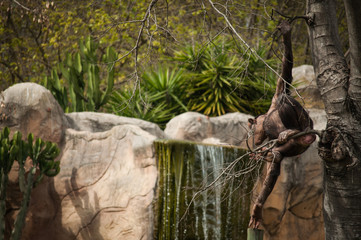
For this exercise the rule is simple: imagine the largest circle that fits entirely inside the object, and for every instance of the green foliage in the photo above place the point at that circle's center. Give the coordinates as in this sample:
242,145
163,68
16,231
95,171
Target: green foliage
58,90
159,98
166,87
34,38
42,155
222,80
214,79
211,87
130,103
83,77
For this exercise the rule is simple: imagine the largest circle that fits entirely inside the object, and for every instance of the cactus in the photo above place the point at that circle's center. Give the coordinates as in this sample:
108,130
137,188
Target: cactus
85,94
74,75
59,92
8,152
42,155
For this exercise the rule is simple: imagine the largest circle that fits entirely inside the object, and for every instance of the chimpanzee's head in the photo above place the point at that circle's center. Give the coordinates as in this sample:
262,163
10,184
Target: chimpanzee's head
256,125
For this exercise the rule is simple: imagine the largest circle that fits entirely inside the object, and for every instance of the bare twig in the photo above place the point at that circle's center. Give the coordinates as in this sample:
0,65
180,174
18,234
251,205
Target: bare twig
135,49
246,44
22,6
291,19
229,176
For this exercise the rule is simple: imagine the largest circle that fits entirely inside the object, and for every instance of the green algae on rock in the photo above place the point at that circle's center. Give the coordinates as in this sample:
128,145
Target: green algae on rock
183,210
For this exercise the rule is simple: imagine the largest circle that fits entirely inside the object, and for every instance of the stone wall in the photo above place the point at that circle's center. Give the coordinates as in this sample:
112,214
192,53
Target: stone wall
108,174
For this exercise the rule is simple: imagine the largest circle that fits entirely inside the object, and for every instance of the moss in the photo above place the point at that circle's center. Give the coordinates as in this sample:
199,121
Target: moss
221,212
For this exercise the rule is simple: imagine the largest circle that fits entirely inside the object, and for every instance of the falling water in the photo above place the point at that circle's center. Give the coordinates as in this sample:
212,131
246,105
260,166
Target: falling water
191,204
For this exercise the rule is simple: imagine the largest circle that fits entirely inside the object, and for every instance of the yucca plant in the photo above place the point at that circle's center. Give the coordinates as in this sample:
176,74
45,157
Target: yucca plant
224,78
166,87
160,97
213,91
130,103
191,57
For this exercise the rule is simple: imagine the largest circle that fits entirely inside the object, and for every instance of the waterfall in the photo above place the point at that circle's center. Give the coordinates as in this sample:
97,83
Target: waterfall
184,209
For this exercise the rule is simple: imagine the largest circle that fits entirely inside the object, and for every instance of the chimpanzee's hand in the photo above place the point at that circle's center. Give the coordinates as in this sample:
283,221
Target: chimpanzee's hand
256,216
283,137
286,135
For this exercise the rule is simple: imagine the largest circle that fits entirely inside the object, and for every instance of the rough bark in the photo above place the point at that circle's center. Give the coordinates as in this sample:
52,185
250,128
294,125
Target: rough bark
339,145
353,12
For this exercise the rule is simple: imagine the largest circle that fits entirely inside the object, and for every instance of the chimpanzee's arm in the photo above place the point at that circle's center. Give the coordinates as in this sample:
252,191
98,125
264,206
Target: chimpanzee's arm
273,171
287,62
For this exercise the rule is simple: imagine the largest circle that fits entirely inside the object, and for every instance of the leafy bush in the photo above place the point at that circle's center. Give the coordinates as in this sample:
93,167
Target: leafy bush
137,104
166,87
222,78
158,100
214,79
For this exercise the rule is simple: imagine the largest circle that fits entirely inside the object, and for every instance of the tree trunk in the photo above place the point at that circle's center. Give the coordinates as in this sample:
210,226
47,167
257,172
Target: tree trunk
340,143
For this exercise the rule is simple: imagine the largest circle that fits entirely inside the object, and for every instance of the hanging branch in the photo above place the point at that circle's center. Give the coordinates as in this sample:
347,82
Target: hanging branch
135,49
310,20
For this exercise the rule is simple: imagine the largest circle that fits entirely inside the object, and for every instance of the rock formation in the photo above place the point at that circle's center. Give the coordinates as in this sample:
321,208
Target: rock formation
228,129
29,107
108,171
108,176
305,82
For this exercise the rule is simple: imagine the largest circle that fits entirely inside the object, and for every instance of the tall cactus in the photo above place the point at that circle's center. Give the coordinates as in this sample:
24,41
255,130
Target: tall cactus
7,156
42,155
58,90
82,74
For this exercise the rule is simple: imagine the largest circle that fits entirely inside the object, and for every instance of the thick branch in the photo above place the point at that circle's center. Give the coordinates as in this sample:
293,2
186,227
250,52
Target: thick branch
353,13
329,63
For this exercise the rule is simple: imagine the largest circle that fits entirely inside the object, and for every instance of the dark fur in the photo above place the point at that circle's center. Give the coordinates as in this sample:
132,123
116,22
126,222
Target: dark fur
285,118
288,114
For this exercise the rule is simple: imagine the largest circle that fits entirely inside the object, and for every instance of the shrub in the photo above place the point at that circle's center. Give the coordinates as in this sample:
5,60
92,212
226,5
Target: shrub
222,78
159,98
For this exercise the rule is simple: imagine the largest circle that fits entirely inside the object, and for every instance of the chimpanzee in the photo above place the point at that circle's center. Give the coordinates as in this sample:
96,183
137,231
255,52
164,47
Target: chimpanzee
285,118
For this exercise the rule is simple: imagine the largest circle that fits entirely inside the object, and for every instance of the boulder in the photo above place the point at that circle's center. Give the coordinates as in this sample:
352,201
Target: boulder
104,190
29,107
306,87
303,76
108,171
98,122
230,128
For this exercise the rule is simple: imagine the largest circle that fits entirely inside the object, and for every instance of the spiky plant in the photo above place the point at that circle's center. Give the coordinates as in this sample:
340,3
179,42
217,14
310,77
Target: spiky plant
221,78
41,154
159,98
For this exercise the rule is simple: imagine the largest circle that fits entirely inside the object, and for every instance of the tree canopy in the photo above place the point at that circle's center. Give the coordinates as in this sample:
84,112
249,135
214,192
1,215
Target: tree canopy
36,35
